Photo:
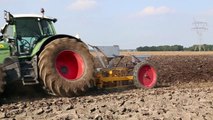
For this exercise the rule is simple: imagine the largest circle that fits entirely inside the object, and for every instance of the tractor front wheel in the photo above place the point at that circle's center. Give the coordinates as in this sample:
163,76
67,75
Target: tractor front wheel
66,67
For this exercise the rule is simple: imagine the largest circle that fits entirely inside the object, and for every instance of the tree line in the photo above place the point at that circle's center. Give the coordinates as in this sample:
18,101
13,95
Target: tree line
204,47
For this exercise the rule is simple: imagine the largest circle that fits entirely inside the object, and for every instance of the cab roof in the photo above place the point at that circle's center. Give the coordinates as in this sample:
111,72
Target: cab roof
29,15
32,16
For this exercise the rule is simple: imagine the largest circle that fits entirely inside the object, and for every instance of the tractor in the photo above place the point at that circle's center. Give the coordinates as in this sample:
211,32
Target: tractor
31,52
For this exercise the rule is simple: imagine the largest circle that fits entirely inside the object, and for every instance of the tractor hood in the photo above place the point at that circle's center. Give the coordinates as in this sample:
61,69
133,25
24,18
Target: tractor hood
4,46
4,51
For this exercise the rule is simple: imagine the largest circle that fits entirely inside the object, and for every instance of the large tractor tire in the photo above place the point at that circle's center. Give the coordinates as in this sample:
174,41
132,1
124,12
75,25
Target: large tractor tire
66,67
144,75
2,80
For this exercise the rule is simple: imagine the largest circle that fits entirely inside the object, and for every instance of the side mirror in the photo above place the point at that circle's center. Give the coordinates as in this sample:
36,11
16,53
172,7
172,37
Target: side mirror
8,17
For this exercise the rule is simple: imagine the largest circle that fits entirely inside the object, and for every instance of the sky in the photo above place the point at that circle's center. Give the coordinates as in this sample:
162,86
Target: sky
127,23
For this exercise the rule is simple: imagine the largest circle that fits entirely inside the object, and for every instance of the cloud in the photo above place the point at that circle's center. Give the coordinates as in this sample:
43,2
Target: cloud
80,5
150,10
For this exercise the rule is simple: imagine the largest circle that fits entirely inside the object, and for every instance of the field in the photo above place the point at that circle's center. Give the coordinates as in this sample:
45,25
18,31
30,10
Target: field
169,53
184,91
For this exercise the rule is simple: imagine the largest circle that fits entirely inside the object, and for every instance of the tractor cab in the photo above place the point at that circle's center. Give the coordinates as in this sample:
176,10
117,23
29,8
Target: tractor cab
22,32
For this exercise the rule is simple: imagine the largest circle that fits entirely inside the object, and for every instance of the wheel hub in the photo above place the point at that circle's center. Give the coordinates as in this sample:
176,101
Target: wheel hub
69,65
64,70
147,76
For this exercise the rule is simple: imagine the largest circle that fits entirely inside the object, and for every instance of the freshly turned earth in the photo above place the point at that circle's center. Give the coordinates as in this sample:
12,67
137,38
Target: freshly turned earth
173,70
184,91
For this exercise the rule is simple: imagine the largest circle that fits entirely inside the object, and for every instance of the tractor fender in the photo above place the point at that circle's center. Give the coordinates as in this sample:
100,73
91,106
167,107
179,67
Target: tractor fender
42,43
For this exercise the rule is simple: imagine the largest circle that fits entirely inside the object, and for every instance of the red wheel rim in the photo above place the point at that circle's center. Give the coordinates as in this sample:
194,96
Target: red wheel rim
147,76
69,65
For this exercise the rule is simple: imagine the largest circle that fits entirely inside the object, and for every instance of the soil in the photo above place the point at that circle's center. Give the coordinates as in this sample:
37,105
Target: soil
173,70
184,91
190,101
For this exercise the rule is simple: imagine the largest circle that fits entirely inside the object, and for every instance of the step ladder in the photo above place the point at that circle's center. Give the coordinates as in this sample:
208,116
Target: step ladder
28,73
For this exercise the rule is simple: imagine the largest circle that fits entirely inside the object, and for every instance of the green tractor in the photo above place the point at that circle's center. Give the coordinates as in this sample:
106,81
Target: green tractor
31,52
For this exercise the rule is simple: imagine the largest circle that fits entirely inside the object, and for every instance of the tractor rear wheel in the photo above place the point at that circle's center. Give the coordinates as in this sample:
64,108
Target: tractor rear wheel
66,67
2,80
145,75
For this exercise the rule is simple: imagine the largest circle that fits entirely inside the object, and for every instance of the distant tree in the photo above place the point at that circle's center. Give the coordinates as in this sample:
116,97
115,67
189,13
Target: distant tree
161,48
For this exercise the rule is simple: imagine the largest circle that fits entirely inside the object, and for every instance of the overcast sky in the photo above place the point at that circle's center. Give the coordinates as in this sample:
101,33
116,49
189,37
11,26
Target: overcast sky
127,23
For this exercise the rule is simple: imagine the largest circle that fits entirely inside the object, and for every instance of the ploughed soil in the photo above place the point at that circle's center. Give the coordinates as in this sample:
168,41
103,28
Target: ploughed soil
174,70
184,91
